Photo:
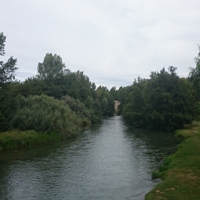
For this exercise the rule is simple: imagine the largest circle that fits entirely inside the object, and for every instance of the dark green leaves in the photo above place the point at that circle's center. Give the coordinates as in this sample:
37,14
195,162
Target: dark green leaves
7,70
2,44
194,78
164,102
51,67
45,114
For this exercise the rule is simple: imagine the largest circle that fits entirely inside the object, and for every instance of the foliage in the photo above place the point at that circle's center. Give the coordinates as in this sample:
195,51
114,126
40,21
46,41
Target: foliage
180,172
106,100
194,78
51,67
98,101
94,108
79,108
162,102
7,74
2,44
45,114
120,95
74,84
16,139
7,70
7,99
134,108
114,92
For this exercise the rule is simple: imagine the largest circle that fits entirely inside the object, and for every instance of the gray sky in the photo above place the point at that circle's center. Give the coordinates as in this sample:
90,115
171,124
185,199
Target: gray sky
111,41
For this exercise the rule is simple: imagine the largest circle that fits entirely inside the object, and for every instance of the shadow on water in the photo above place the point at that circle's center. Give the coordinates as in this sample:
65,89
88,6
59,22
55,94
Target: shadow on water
158,143
42,151
156,139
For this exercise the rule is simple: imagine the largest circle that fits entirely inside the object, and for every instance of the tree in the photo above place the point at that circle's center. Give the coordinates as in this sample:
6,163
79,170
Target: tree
51,67
194,78
134,108
7,70
168,101
114,93
7,74
7,105
161,103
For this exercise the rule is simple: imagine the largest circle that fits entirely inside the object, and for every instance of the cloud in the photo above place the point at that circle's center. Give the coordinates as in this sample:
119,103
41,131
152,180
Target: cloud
113,42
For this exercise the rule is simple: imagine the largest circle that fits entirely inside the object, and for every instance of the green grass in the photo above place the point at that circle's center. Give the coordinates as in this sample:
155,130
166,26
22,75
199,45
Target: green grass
16,139
181,171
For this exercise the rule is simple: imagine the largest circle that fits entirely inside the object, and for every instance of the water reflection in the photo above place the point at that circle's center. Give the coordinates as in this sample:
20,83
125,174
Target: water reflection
109,161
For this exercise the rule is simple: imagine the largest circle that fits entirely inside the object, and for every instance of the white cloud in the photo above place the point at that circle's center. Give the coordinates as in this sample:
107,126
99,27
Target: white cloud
113,42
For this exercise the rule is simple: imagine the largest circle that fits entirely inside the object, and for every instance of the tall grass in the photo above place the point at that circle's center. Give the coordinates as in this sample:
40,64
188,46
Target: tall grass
16,139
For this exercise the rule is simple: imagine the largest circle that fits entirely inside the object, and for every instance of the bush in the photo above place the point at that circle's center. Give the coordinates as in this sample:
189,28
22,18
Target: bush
79,108
45,114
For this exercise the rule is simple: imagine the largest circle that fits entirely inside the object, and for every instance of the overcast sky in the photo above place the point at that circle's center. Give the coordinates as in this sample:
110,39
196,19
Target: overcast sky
111,41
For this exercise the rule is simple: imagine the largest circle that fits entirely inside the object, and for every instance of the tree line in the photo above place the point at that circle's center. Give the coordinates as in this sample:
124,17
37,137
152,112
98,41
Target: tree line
55,100
164,101
58,100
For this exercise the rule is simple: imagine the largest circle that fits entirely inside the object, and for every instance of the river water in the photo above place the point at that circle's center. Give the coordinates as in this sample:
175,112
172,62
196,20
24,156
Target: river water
107,162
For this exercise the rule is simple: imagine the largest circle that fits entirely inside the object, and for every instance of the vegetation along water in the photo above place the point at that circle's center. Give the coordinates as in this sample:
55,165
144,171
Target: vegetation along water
58,105
181,170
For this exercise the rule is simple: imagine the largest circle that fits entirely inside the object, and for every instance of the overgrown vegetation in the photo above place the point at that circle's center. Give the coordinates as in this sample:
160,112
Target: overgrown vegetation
7,74
163,102
181,171
56,100
16,139
45,114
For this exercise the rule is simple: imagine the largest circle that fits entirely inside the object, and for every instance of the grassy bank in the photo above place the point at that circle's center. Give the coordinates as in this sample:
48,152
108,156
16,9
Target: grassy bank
16,139
181,171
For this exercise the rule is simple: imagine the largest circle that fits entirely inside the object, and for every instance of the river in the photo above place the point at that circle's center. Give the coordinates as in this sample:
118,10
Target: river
107,162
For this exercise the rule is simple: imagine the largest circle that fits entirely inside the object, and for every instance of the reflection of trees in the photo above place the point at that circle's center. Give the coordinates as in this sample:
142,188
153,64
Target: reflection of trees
110,151
158,144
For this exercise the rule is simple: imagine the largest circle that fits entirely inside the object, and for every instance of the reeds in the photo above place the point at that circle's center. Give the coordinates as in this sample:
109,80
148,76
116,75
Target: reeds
16,139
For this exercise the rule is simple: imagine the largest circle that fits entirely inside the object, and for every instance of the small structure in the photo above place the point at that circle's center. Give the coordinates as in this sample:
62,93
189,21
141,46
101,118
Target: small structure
117,103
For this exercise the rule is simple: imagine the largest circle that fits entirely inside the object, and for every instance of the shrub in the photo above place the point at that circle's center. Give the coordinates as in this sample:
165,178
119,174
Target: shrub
45,114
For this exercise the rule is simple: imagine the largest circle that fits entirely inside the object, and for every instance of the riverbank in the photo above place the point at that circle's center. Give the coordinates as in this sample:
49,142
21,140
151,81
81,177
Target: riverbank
16,139
181,171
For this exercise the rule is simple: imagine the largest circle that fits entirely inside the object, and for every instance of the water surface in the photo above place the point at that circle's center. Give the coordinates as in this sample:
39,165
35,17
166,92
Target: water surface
107,162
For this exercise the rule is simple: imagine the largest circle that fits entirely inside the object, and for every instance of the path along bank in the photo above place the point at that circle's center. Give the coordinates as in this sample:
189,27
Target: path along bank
181,171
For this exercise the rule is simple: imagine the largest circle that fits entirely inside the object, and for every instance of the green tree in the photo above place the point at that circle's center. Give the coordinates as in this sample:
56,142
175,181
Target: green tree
114,93
104,96
194,75
79,108
104,106
7,74
7,105
7,70
51,67
134,105
168,101
163,102
194,78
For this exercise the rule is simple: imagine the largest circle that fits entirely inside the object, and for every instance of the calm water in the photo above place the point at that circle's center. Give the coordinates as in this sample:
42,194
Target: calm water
106,162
